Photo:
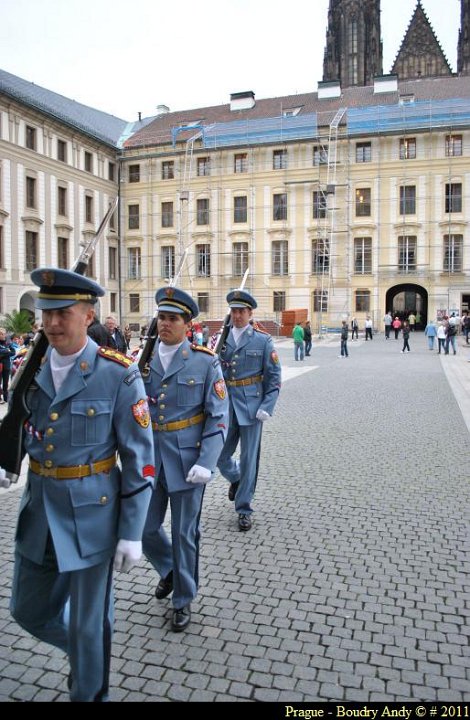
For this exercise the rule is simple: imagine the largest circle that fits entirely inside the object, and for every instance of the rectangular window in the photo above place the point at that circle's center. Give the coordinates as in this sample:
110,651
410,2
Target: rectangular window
134,302
62,253
112,221
111,171
407,200
363,255
88,161
279,159
406,254
453,145
90,268
203,211
113,302
363,202
362,300
320,256
133,263
203,302
320,154
319,205
407,148
62,201
134,173
30,192
453,253
112,262
134,219
279,300
280,206
168,262
167,214
61,150
31,251
280,257
240,209
168,170
203,260
363,152
88,209
453,197
239,258
240,163
30,137
320,301
203,166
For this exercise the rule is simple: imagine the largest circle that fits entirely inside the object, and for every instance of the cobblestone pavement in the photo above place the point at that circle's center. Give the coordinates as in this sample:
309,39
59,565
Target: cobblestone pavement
353,583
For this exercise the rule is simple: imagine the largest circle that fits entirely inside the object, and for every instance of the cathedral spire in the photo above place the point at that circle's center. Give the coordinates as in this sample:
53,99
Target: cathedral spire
463,50
353,51
420,54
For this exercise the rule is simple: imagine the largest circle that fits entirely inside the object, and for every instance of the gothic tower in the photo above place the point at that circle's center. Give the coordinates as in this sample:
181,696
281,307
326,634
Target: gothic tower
420,54
353,52
463,50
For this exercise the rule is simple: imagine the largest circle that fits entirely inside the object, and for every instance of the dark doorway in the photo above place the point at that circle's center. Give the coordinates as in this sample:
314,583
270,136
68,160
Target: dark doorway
408,298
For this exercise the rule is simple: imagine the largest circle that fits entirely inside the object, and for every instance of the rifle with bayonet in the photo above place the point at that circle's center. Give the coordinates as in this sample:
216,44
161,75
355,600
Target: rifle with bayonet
11,428
145,355
228,320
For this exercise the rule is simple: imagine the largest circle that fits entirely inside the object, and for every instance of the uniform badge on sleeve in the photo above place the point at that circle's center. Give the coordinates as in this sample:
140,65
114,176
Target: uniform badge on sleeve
220,389
275,357
141,413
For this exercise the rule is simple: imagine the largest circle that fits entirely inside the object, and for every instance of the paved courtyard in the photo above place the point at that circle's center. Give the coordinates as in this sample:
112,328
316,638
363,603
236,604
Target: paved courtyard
354,583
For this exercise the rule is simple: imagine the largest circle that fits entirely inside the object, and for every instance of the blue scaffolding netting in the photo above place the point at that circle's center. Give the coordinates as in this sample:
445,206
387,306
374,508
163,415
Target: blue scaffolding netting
419,115
263,130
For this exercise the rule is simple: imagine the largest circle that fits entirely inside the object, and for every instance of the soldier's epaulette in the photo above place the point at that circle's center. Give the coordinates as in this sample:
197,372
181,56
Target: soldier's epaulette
201,348
115,355
258,329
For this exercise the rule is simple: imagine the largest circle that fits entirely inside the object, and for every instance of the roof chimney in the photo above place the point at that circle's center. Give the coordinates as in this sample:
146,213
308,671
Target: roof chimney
242,100
162,109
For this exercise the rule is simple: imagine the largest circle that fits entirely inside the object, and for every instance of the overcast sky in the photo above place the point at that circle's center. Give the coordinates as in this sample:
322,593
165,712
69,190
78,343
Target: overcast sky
125,56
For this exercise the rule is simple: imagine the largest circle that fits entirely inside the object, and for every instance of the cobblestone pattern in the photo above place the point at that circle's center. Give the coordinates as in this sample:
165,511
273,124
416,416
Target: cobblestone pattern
352,585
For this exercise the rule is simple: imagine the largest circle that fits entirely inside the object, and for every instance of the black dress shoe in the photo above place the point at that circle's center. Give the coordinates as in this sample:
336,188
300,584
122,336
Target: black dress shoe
244,522
164,587
181,618
232,491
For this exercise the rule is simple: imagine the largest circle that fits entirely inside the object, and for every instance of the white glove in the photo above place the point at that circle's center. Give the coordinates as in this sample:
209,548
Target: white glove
128,554
262,415
198,475
4,481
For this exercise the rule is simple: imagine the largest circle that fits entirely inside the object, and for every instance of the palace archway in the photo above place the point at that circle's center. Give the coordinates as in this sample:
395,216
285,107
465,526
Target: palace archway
403,299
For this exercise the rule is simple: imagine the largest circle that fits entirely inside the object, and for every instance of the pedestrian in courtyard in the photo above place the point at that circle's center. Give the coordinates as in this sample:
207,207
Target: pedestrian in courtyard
7,353
253,376
354,329
298,336
396,324
406,336
387,325
431,333
117,339
368,327
307,338
81,512
412,321
189,410
344,339
441,337
451,335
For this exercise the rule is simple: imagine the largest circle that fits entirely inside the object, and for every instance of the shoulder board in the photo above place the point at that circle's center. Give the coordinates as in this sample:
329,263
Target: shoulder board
201,348
258,329
115,355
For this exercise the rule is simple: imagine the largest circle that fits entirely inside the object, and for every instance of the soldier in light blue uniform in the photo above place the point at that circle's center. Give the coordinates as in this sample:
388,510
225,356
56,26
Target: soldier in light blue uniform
253,376
79,510
189,409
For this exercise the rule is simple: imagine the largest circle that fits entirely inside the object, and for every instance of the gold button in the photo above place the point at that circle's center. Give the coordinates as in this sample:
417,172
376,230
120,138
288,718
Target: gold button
161,417
164,386
234,362
50,431
191,382
90,412
54,416
162,407
48,463
49,448
198,444
103,499
162,395
83,365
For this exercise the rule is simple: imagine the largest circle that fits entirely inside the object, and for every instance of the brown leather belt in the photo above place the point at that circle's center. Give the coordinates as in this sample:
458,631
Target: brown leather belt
73,471
245,381
178,424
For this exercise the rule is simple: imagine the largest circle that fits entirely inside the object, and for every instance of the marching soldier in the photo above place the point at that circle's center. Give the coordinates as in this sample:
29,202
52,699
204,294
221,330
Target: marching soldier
189,409
253,376
79,511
